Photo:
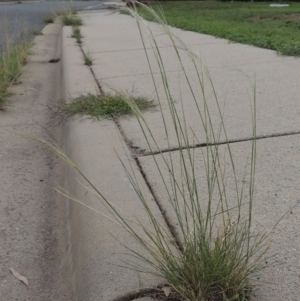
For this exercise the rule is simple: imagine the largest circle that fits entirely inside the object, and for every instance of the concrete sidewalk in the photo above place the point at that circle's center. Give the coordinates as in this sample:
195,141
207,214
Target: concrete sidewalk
120,63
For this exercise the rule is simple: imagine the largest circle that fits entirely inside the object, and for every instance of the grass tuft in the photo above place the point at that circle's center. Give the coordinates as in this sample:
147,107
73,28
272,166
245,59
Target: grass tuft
77,34
104,105
10,67
88,60
37,32
49,19
70,19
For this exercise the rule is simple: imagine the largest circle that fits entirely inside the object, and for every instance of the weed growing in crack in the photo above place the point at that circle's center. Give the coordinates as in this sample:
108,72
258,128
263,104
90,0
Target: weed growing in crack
77,34
70,19
88,60
37,32
49,19
102,105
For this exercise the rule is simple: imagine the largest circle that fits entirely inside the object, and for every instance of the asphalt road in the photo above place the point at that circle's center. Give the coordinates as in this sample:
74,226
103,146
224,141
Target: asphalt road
19,20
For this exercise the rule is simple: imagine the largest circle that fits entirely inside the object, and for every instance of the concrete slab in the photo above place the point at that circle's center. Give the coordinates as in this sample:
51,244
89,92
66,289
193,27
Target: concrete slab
121,63
77,78
277,190
43,50
277,103
96,244
125,29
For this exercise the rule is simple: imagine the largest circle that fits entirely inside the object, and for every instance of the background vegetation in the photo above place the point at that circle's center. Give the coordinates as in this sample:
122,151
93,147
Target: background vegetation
256,24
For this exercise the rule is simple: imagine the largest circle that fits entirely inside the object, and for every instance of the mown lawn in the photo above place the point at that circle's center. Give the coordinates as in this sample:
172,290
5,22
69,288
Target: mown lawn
245,22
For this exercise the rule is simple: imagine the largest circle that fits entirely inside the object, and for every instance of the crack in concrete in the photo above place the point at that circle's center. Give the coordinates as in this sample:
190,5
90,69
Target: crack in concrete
200,145
92,71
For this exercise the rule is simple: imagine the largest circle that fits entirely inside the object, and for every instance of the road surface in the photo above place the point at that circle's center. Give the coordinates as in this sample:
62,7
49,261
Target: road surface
19,20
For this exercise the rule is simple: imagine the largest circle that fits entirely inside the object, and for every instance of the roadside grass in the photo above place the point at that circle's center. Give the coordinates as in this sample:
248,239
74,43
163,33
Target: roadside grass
77,34
10,67
102,105
88,60
68,17
49,19
244,22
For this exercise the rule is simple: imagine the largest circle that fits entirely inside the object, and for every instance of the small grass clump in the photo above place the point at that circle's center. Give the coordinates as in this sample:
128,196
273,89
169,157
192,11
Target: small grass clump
49,19
10,67
70,19
103,105
88,60
77,34
37,32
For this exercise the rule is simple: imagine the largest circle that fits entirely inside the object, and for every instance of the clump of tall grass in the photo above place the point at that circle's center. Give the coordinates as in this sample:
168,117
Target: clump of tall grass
49,19
70,19
212,249
216,250
11,62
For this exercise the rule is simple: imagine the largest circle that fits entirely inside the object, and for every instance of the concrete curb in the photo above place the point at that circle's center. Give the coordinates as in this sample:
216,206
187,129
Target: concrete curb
94,254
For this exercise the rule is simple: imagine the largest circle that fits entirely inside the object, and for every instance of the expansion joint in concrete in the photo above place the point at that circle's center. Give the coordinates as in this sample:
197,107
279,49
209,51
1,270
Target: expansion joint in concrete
93,74
143,174
232,141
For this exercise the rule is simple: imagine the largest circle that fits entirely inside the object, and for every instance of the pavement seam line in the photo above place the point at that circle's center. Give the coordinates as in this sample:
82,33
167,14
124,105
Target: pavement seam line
92,71
146,292
144,176
200,145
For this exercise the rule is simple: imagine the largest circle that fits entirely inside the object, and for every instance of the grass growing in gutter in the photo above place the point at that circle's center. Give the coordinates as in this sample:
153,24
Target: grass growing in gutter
10,67
103,105
256,24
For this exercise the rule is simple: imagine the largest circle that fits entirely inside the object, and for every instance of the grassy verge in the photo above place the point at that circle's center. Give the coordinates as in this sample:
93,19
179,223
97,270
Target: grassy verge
104,105
249,23
10,67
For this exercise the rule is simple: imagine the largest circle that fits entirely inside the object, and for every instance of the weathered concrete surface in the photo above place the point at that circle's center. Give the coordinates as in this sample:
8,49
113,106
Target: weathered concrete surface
277,190
32,224
77,78
120,62
96,244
